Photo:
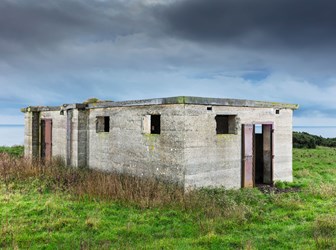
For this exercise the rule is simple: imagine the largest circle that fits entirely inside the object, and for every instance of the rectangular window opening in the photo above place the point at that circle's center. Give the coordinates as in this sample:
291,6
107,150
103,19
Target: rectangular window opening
106,124
277,111
103,124
209,108
225,124
155,124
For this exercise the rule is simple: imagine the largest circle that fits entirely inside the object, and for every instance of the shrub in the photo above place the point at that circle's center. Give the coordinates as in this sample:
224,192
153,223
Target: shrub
303,140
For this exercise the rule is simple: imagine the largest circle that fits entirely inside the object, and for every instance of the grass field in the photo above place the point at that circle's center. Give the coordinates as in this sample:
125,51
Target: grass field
16,151
38,210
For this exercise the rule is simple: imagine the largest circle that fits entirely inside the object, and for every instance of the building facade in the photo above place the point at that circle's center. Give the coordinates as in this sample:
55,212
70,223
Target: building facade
193,141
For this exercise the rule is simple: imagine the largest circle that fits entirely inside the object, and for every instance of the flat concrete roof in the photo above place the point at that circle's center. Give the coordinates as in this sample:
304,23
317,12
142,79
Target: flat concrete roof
169,100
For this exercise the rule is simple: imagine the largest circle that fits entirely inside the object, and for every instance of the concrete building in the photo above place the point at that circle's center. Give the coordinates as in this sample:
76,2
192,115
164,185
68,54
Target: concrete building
193,141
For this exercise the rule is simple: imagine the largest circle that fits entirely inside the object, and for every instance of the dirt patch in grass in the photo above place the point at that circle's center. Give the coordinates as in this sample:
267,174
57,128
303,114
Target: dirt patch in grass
271,189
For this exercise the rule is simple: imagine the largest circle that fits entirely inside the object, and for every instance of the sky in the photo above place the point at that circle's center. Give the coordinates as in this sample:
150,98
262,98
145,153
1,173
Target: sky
66,51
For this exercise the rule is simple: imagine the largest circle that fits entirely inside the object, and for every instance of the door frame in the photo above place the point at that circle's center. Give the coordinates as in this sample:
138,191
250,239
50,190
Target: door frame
248,164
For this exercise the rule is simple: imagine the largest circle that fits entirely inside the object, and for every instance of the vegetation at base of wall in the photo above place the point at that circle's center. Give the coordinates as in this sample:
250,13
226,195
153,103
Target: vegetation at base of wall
49,206
16,151
306,140
141,192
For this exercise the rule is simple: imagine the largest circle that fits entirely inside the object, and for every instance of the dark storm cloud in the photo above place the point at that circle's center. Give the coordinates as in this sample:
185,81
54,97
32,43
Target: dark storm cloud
43,24
254,23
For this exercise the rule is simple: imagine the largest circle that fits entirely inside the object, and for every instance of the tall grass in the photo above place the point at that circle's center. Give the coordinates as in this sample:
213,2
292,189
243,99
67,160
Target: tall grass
325,232
139,191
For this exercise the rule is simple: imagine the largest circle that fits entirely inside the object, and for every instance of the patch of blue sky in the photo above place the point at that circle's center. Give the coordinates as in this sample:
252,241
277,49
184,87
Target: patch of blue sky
252,75
256,76
206,75
315,111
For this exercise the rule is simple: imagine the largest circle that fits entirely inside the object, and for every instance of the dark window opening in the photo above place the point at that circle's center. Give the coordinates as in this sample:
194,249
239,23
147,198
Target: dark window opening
225,124
277,111
155,124
106,124
103,124
209,108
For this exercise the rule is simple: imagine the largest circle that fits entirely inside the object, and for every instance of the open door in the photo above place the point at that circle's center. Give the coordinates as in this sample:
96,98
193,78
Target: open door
248,159
257,155
46,139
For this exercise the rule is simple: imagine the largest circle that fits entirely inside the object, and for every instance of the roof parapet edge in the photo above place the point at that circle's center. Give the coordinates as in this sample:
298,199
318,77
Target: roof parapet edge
40,108
53,108
196,101
168,100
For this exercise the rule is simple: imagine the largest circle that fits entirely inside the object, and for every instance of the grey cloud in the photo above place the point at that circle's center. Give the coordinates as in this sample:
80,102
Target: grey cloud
38,24
299,24
68,35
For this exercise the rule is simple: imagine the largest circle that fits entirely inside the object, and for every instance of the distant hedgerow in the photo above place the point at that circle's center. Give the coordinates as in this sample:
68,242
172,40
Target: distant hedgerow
306,140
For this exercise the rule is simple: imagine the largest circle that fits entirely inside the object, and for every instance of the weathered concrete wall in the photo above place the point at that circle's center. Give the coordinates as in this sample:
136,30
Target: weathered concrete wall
69,134
58,132
211,159
127,149
282,137
283,146
78,140
83,140
216,160
74,138
28,134
69,125
32,136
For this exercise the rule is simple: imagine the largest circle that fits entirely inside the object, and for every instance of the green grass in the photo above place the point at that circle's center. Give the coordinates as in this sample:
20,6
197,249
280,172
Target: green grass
16,151
38,213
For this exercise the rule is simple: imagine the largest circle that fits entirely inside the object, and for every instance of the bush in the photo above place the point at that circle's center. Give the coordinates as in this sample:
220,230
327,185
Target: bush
303,140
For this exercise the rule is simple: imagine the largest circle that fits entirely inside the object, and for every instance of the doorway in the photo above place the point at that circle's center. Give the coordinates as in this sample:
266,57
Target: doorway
257,154
46,139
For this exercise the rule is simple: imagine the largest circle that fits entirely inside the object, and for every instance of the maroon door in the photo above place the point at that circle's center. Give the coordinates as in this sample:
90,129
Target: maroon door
247,171
268,153
46,138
